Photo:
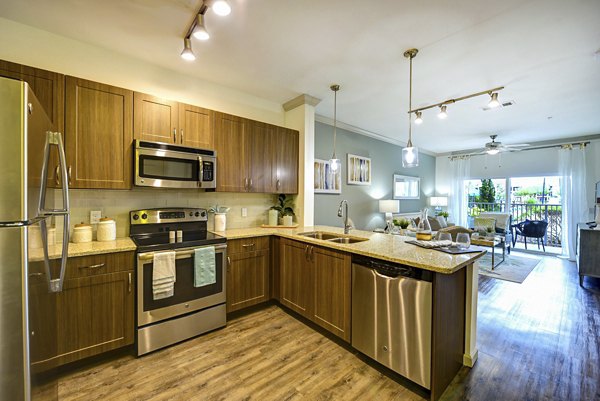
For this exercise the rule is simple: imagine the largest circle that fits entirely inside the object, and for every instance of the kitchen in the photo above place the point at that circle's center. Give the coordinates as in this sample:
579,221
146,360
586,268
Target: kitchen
107,113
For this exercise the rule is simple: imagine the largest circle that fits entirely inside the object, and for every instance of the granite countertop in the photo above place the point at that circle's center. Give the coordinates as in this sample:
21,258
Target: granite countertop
380,246
84,249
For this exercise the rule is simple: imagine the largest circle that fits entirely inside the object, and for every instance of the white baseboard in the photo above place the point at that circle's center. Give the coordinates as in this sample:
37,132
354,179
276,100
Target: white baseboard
469,360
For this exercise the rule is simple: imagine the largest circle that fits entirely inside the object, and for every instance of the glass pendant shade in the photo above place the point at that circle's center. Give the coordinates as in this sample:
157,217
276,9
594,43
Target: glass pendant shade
410,156
334,164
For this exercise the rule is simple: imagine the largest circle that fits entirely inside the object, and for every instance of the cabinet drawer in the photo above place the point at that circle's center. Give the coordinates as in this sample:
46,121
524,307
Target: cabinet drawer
86,266
247,244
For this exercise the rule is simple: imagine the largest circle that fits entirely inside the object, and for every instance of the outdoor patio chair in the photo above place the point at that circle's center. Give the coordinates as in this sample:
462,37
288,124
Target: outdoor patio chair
531,229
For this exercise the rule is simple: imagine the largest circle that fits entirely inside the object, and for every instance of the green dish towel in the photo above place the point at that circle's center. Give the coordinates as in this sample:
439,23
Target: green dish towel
204,266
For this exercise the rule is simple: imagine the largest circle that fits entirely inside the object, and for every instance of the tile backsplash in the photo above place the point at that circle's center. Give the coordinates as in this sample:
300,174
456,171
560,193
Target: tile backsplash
118,204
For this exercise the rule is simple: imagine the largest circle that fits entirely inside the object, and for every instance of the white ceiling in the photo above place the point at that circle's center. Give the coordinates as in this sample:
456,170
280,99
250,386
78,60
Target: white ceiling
544,52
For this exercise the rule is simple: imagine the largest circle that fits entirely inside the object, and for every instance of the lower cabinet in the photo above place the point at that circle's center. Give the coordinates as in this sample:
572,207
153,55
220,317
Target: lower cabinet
96,306
316,283
247,272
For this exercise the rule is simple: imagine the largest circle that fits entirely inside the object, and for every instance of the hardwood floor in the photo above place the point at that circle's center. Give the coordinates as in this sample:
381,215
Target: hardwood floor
537,341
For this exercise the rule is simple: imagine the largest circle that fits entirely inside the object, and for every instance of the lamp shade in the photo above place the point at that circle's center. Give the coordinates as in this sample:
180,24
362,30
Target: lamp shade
438,201
389,206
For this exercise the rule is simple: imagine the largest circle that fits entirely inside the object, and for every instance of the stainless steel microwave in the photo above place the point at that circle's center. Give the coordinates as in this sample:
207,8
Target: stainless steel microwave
172,166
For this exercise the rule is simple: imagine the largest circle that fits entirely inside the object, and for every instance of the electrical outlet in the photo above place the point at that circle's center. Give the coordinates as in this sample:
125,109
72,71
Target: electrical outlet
95,216
244,212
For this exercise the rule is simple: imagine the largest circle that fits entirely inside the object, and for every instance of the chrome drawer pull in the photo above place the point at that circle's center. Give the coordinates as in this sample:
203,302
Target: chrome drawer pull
247,245
93,266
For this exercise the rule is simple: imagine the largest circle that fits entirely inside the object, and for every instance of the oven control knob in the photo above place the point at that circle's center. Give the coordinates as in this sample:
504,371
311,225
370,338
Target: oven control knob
203,214
191,214
136,217
144,216
197,214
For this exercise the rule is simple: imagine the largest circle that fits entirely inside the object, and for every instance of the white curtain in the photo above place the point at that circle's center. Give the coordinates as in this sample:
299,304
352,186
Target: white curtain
457,205
571,162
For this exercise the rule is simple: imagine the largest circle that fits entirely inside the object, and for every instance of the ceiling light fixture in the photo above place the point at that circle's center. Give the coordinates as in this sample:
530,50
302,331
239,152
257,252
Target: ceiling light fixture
492,151
419,119
442,115
221,7
187,53
199,31
493,103
410,154
334,162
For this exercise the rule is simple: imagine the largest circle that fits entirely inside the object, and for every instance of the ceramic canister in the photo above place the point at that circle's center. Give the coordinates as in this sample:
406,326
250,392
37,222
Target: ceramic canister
107,230
82,233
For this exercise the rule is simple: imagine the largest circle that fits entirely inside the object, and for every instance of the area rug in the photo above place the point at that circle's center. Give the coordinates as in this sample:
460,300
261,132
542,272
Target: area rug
514,268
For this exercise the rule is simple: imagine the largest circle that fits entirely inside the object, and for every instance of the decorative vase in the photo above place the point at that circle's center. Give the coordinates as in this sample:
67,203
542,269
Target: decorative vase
273,215
220,221
424,228
288,220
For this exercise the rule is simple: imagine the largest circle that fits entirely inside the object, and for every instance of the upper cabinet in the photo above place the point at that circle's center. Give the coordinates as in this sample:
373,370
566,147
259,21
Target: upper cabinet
260,151
230,144
285,166
162,120
98,135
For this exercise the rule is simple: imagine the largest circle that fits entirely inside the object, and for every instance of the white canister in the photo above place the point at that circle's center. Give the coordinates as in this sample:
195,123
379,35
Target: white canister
273,216
35,237
82,233
107,230
220,221
288,220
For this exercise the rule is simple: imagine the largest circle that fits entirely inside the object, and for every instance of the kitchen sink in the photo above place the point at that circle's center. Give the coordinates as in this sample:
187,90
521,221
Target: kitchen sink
347,240
320,235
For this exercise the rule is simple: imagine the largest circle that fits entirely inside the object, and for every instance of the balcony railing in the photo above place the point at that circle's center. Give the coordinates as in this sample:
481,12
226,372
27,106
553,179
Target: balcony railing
523,211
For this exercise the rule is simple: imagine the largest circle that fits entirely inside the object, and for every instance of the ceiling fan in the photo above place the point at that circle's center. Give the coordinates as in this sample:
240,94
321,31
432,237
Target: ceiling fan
493,148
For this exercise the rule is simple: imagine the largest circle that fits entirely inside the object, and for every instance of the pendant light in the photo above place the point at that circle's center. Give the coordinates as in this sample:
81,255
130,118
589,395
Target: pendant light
410,154
334,162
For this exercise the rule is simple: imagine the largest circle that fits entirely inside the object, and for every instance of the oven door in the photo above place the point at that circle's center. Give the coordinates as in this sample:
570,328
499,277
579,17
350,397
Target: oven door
186,298
168,169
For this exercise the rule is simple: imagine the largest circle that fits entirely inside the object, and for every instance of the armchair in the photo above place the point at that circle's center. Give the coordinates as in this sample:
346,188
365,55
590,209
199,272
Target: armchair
503,226
532,229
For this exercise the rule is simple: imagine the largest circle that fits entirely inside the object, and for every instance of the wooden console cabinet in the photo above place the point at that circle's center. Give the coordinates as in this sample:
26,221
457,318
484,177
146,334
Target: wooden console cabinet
588,252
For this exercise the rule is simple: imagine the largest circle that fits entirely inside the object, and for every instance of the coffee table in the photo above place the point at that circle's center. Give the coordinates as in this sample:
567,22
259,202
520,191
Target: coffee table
493,243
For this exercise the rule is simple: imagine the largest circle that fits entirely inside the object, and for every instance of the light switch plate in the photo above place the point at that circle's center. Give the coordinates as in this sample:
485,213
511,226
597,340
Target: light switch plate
95,216
244,212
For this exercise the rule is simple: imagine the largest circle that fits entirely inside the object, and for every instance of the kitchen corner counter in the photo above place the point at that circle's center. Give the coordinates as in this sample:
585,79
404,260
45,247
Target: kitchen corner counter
392,248
84,249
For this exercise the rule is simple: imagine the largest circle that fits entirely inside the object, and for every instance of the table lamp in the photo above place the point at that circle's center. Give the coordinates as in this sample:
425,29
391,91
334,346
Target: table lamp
438,202
389,206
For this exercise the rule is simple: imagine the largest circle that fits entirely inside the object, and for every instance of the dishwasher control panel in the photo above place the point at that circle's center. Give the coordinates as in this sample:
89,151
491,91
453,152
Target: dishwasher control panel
393,270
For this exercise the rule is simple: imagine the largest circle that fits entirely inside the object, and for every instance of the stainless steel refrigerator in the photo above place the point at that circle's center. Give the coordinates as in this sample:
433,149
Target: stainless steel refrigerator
29,280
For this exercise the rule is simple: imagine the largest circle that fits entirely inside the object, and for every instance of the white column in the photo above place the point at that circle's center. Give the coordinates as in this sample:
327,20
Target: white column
470,355
300,115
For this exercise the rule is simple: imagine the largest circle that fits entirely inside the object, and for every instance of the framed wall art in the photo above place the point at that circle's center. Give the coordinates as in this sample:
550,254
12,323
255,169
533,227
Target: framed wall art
359,170
406,187
327,182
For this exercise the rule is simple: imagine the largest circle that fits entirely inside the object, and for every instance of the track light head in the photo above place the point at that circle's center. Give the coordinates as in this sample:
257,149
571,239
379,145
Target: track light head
187,53
418,119
493,103
200,31
221,7
442,115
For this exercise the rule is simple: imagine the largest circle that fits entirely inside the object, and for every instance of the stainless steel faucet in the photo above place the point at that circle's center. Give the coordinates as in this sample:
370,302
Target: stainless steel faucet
344,215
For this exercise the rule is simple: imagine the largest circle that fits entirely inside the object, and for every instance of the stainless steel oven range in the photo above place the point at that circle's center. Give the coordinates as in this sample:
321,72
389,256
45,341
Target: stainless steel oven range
190,310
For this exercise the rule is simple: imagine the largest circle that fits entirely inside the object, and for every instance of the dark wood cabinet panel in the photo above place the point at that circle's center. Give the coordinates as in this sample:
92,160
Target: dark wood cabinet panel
155,119
333,280
98,134
296,277
232,164
285,165
261,151
247,279
195,127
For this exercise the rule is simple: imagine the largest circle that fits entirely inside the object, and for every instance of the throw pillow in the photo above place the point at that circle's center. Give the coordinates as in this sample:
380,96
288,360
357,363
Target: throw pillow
442,221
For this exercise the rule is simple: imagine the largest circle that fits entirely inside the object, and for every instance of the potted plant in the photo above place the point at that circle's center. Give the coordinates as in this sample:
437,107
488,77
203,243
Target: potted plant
402,223
284,210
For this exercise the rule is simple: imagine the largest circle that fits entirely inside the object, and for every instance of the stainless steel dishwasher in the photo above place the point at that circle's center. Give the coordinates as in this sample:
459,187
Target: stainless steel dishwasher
391,316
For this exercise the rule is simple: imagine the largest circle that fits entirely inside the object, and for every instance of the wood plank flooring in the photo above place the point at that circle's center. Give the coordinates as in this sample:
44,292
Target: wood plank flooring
537,341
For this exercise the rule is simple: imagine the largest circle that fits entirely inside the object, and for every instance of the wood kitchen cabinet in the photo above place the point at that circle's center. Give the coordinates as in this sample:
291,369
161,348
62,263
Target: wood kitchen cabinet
98,135
247,272
96,306
260,155
285,163
296,277
162,120
230,144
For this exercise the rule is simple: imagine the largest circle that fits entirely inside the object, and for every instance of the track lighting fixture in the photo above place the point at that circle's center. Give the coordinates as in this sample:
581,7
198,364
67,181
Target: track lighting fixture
493,103
199,31
442,115
334,162
410,154
419,119
221,7
187,53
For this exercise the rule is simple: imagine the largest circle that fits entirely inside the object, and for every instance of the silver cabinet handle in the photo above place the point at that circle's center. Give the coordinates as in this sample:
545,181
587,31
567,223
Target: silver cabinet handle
129,282
69,175
228,261
278,184
250,184
56,174
181,139
306,253
35,274
246,184
99,265
174,135
311,253
247,245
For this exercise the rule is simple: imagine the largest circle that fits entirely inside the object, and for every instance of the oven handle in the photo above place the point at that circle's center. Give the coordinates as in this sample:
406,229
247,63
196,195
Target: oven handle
188,253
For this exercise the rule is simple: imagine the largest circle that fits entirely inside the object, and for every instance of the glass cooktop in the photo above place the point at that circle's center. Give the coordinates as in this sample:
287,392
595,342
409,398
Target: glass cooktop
160,241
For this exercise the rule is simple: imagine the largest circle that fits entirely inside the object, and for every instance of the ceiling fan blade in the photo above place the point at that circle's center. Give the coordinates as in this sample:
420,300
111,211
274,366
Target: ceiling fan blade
517,145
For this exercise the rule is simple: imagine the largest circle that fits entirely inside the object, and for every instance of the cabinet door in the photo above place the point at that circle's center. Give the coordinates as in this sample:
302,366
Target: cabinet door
286,161
98,135
247,279
95,315
155,119
195,126
333,280
296,277
232,170
261,155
